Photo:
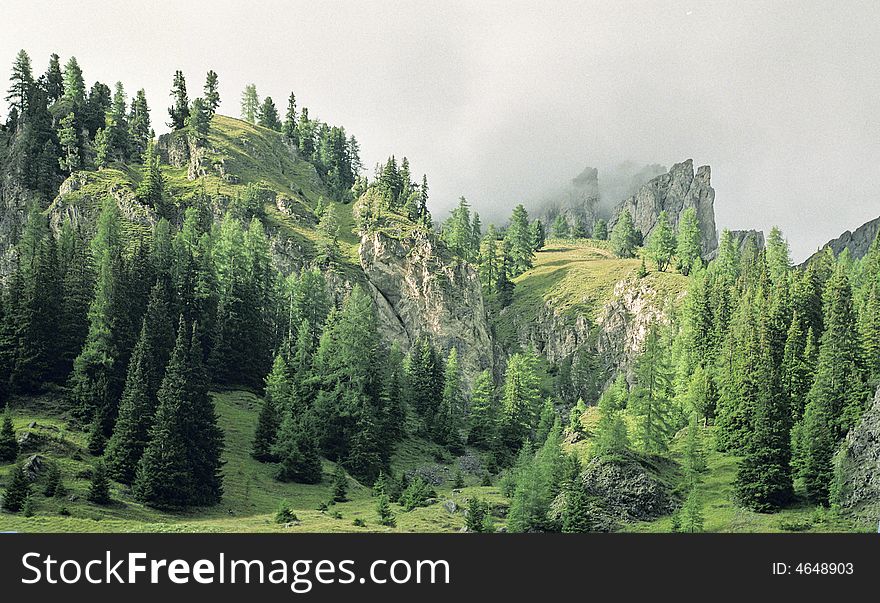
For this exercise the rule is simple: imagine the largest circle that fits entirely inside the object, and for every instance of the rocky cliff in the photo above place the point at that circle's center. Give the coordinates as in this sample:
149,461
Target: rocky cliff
616,335
419,290
857,241
858,466
673,192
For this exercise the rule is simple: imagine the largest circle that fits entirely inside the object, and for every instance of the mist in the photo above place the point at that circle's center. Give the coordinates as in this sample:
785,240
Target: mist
505,102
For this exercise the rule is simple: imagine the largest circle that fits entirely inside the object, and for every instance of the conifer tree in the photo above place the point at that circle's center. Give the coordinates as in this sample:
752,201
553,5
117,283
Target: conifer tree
212,93
54,80
150,189
99,488
448,423
118,141
74,84
136,409
340,485
838,394
179,110
483,416
691,514
289,126
520,400
538,235
520,240
54,482
68,138
623,236
778,256
546,420
611,439
650,398
577,514
384,512
661,242
22,79
250,104
559,229
275,401
8,443
689,248
268,117
18,489
140,133
198,122
296,449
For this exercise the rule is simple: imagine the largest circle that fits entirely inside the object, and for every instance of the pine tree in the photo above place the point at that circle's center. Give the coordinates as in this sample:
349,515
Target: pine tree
18,489
623,236
150,190
838,394
179,110
8,443
275,401
520,400
296,449
74,84
538,235
136,409
54,80
519,237
661,242
483,416
54,481
99,488
578,513
68,138
118,141
689,248
384,513
650,398
269,115
559,229
140,133
212,93
600,229
691,513
198,122
449,419
289,127
611,439
340,485
546,420
22,79
778,256
250,104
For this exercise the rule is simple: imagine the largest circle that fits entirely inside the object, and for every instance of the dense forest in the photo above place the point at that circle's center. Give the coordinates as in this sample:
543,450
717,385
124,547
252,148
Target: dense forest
133,329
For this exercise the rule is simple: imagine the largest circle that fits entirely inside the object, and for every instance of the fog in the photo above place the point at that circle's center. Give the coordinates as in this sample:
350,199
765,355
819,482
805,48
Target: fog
505,101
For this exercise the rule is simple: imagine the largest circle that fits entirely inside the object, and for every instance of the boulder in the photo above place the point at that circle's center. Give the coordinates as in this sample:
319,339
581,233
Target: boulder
34,465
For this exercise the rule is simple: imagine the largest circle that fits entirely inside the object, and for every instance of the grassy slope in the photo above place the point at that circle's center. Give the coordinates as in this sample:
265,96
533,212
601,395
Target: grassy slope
577,278
251,494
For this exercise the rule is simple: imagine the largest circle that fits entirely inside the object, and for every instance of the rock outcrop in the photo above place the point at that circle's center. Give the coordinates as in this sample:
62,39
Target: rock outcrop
418,290
858,466
616,335
857,241
675,191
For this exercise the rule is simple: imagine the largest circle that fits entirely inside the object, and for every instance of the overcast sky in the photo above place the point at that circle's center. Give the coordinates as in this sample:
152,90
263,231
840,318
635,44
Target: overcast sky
501,101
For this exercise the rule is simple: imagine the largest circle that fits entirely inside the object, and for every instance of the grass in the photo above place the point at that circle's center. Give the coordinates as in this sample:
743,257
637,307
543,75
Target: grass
251,494
576,278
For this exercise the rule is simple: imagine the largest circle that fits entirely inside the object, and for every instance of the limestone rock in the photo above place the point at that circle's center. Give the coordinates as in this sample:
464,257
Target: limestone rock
675,191
858,465
857,241
419,290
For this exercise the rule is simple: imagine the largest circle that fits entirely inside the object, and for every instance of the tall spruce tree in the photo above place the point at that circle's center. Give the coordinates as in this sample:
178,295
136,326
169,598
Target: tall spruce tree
179,109
623,236
661,242
212,93
276,404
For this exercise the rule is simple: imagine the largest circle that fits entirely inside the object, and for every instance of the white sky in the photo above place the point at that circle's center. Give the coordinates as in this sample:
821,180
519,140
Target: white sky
501,101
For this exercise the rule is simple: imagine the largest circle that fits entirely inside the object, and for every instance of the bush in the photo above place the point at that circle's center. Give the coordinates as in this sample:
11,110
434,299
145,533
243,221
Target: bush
285,514
359,523
416,495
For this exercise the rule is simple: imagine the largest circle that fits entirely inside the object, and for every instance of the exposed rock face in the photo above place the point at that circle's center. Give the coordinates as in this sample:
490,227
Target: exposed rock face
616,335
419,291
577,201
625,489
858,465
857,241
674,192
744,237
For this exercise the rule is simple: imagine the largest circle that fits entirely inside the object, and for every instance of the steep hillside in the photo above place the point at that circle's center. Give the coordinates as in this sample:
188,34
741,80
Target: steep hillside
579,295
